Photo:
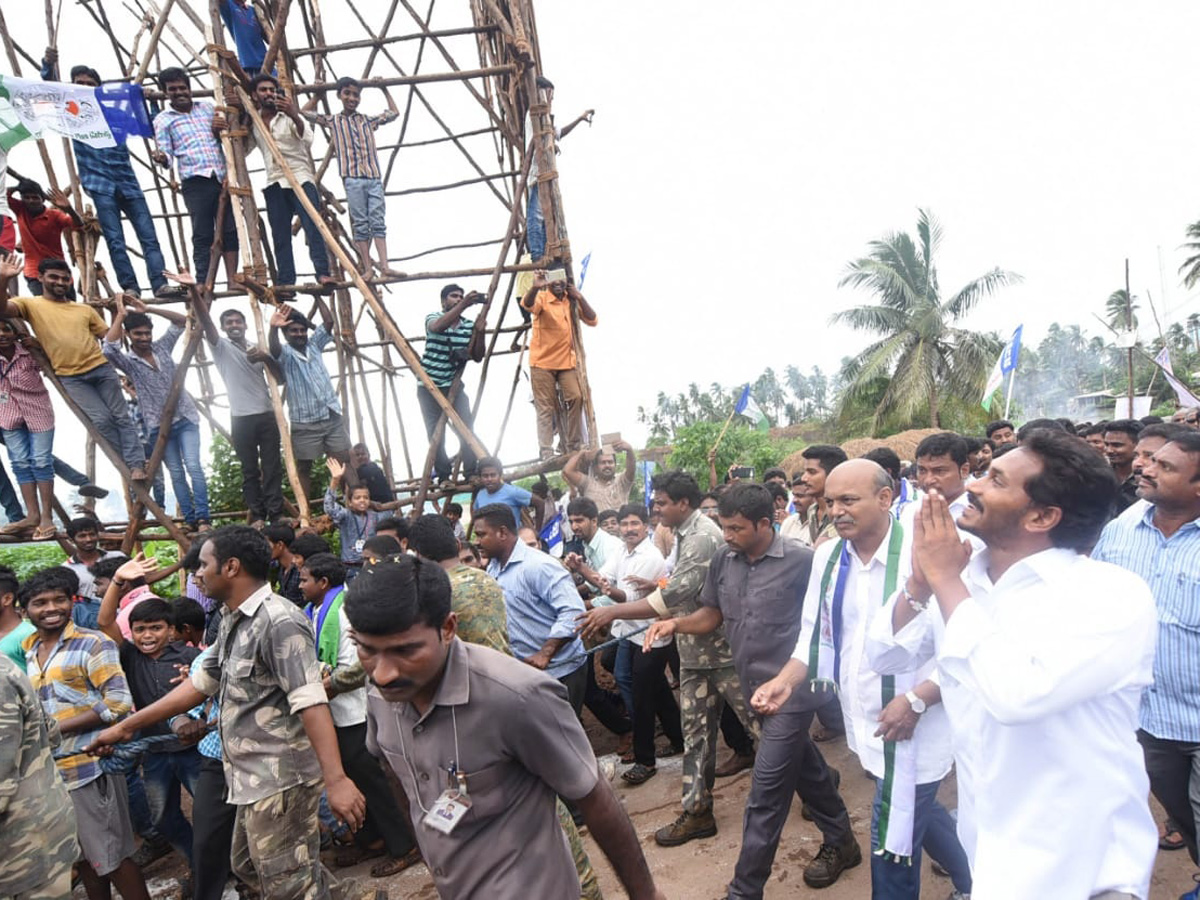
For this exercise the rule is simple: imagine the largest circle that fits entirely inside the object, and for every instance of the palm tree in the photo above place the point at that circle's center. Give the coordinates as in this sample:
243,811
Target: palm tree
1121,310
921,353
1190,270
1193,324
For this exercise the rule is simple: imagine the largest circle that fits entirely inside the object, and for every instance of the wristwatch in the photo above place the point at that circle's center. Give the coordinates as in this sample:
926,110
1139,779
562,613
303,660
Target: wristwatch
917,704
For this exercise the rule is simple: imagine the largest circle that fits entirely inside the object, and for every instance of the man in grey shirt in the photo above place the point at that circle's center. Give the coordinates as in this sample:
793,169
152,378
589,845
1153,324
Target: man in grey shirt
481,743
755,587
252,423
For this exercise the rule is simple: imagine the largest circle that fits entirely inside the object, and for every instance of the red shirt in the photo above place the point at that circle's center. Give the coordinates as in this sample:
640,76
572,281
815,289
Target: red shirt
41,235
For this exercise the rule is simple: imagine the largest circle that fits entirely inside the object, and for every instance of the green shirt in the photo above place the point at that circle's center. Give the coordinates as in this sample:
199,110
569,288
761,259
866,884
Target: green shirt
438,360
10,644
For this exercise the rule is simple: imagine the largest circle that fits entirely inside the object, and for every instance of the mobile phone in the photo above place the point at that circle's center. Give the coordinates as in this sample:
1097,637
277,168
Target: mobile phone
746,473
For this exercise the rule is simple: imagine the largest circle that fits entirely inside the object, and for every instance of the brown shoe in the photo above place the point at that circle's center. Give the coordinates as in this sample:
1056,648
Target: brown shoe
737,762
688,827
831,860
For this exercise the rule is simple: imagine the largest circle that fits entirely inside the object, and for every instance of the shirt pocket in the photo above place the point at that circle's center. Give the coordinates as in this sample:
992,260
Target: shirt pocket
485,788
239,678
1181,606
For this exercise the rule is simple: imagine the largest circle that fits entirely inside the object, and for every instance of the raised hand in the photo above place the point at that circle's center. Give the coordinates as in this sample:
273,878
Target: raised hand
59,199
281,315
336,468
11,266
183,276
138,567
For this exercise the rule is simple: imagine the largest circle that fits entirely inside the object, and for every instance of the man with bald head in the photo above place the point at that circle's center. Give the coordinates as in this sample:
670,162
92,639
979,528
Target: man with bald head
895,724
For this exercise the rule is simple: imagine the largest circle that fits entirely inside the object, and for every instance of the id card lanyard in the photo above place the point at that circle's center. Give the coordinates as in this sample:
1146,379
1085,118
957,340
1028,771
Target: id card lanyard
454,802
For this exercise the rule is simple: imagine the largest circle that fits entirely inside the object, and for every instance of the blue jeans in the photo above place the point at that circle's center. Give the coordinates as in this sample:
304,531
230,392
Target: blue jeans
282,204
935,831
535,226
163,774
183,453
623,674
98,393
29,454
365,201
109,208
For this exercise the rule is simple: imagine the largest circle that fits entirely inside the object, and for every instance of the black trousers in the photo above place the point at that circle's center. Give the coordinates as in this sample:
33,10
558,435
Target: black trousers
256,442
384,819
431,412
201,196
1174,770
212,832
652,697
576,684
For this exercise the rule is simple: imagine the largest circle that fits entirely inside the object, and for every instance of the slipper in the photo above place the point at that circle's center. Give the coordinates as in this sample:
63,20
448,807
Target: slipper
49,533
14,528
352,855
1171,840
639,774
393,865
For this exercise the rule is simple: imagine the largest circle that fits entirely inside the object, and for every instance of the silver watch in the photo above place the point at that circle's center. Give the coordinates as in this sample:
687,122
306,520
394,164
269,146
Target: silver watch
917,704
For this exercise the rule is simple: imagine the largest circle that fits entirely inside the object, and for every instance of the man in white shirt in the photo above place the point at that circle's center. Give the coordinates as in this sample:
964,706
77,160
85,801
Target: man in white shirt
942,466
895,724
1043,655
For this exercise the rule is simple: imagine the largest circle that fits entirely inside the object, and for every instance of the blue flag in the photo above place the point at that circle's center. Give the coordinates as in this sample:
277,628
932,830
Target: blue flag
648,474
551,532
583,264
1008,360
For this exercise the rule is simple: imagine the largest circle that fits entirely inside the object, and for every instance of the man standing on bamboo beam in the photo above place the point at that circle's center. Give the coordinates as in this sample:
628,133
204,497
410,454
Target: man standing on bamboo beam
293,139
68,332
451,340
552,358
313,405
186,132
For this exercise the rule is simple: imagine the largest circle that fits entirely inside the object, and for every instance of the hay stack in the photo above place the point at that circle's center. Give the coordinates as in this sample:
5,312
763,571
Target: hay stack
905,444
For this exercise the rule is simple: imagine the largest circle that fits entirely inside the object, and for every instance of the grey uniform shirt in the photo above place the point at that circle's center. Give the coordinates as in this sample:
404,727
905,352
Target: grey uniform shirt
762,602
244,380
696,541
264,673
519,744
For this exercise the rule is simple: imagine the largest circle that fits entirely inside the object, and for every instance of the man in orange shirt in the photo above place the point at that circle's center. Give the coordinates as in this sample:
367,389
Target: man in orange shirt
552,359
41,227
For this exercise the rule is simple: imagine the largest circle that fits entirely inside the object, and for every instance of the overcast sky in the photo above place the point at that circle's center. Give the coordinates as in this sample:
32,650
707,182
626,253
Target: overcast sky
741,156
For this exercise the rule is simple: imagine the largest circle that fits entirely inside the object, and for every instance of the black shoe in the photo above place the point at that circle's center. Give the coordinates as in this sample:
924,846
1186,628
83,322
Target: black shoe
153,849
169,291
93,490
830,861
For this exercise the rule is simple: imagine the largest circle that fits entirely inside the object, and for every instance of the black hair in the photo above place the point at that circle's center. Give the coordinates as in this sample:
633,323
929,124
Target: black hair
346,81
137,320
1035,424
777,491
226,313
752,501
245,544
974,444
497,515
83,523
607,513
327,566
361,446
9,583
1067,425
383,545
56,578
191,559
455,508
76,71
634,509
583,506
993,427
393,523
677,485
355,488
945,443
188,613
307,545
53,265
490,462
886,458
260,78
1166,430
1076,480
280,533
392,596
473,549
171,75
298,318
1131,427
27,187
774,472
450,289
432,536
1189,443
107,568
827,455
1151,420
152,609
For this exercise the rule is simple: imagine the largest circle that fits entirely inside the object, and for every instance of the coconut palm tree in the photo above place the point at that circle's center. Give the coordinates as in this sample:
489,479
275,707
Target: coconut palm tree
1190,270
1121,310
920,351
1193,325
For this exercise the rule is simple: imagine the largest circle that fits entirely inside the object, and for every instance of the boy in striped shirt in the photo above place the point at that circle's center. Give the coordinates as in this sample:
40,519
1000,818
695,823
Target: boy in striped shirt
352,135
451,339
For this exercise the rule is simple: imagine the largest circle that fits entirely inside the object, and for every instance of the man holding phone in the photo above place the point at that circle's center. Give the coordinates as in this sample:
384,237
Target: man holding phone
451,340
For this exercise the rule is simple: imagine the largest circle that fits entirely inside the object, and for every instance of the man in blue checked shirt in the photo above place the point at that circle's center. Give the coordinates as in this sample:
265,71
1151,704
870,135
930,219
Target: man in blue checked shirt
1158,538
313,405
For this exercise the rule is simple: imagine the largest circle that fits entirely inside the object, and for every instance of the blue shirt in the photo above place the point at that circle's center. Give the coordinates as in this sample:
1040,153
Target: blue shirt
1171,567
210,744
104,171
510,495
242,23
354,529
310,394
542,603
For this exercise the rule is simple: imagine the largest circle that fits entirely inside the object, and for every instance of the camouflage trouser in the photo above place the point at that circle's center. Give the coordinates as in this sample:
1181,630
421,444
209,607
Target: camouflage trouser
701,692
56,887
589,886
277,846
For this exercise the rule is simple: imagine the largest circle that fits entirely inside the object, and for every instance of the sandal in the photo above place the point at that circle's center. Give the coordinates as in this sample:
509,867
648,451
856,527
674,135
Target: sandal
639,774
15,527
352,855
1169,837
395,865
48,533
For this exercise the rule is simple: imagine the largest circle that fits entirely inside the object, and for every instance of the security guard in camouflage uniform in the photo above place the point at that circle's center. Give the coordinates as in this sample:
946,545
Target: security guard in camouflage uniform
707,678
37,818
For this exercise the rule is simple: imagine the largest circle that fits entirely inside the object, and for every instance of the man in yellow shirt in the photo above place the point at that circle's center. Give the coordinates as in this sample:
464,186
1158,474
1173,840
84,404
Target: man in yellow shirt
67,332
552,359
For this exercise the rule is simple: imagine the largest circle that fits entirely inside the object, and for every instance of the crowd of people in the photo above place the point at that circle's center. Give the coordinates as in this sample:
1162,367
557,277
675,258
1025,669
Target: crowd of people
415,692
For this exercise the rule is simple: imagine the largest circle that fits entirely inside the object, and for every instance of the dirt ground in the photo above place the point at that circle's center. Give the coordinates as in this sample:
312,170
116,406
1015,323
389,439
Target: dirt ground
701,869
